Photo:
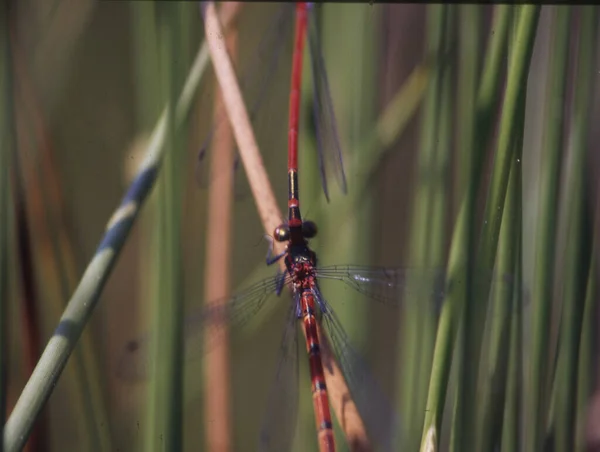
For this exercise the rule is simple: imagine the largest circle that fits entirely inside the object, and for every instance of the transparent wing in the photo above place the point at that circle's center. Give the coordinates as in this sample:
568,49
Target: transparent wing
279,423
388,285
396,285
235,312
380,419
327,137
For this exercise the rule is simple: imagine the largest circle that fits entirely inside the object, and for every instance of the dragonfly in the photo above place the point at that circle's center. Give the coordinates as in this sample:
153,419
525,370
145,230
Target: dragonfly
310,310
259,77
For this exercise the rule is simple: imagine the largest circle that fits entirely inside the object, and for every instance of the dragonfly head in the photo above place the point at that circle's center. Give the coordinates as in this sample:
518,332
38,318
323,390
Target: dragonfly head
282,232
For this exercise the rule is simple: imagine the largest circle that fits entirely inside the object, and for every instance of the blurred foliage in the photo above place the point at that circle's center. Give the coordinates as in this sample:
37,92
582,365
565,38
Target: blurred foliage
468,145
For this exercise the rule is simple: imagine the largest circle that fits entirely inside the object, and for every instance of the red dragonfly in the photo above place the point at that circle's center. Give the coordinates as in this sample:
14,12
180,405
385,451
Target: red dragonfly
309,306
256,83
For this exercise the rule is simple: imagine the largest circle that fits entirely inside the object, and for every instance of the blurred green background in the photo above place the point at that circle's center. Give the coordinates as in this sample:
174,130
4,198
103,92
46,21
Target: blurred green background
468,144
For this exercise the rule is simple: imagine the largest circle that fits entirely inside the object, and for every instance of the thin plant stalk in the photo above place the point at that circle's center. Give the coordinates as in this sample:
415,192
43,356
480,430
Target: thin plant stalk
547,220
511,424
80,306
440,207
463,417
491,408
414,316
578,243
340,397
517,78
148,103
474,325
586,352
166,408
217,409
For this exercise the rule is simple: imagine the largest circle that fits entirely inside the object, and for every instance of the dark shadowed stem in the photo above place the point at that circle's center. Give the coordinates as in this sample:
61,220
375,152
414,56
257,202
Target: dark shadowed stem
586,352
578,243
547,220
7,138
511,423
469,36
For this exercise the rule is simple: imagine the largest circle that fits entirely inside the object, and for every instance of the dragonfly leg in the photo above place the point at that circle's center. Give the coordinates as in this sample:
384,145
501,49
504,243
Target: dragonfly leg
270,258
280,282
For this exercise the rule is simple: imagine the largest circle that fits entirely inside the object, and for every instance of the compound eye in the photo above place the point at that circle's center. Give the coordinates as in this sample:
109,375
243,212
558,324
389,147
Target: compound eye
282,233
309,229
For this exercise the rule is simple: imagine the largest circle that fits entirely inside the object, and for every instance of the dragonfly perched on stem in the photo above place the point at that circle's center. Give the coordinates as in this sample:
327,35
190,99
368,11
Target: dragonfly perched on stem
309,308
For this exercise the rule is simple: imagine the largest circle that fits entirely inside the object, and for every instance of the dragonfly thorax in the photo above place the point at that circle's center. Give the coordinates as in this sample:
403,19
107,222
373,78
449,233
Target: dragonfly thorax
302,271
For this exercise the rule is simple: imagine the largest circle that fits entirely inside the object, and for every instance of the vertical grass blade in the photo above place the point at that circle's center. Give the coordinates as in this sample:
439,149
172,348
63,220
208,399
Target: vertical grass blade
425,251
578,239
166,408
517,78
7,138
586,352
509,124
547,221
476,306
440,207
487,98
148,103
511,423
491,406
464,419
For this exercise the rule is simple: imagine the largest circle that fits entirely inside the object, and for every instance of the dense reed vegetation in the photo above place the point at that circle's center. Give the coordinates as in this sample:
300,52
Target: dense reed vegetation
469,146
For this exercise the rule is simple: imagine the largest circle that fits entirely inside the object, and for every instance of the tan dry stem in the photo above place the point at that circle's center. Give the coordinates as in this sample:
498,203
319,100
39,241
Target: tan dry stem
220,199
339,395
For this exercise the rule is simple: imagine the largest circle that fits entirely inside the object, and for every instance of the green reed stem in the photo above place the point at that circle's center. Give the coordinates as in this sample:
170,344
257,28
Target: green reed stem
511,423
166,409
517,79
464,419
578,244
414,319
492,395
586,352
487,99
476,307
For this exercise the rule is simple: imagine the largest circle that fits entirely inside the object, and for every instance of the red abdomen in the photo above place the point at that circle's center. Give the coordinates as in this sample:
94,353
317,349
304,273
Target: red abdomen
317,376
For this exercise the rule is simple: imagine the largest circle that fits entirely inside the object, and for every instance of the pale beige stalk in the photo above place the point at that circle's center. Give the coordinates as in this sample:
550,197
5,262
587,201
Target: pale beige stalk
339,395
217,412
